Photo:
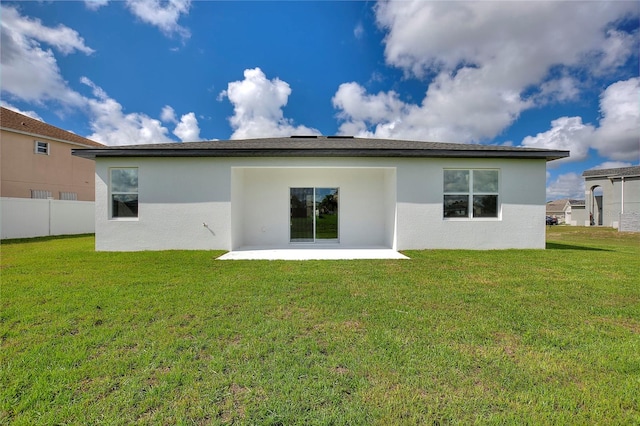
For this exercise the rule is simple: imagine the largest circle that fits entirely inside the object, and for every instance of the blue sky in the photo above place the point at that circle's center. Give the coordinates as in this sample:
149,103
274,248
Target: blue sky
558,75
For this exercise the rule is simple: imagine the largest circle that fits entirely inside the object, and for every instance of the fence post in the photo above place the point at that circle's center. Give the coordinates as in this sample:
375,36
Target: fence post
50,214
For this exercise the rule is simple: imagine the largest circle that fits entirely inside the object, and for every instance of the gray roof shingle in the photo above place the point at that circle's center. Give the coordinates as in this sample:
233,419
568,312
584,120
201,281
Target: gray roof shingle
320,146
618,172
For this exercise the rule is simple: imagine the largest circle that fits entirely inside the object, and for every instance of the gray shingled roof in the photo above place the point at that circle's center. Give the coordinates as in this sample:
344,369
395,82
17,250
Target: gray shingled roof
320,146
557,205
619,172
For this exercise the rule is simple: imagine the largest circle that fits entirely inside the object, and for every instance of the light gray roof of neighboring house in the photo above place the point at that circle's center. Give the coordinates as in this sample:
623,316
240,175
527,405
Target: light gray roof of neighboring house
576,202
618,172
557,205
320,146
20,123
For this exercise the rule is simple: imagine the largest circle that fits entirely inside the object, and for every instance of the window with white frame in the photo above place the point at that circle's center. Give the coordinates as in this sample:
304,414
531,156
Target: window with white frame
41,147
471,193
124,192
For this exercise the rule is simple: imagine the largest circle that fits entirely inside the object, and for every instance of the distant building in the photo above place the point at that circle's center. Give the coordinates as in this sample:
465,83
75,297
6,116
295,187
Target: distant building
612,198
44,190
36,160
563,209
557,209
576,215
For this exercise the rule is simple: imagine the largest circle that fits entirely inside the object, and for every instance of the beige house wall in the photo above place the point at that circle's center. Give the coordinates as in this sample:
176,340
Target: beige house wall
23,170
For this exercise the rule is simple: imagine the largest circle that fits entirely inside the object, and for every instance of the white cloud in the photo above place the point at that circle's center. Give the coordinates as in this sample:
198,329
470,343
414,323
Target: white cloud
362,110
162,14
617,47
95,4
529,37
31,114
455,109
562,89
568,185
566,133
618,136
187,129
490,61
111,126
257,104
29,71
168,115
63,38
358,31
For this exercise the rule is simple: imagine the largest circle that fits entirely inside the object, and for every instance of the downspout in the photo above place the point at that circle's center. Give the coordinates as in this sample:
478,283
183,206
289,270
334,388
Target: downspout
622,195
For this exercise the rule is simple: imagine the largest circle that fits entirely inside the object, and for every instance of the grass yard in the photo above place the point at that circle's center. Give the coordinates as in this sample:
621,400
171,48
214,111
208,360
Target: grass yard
449,337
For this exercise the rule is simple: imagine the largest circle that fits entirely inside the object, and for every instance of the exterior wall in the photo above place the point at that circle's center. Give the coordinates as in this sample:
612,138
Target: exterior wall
579,216
23,170
27,218
612,195
631,194
630,222
396,203
521,222
176,198
390,205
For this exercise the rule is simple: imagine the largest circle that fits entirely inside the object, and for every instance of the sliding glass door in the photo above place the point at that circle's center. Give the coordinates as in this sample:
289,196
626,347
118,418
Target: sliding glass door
314,214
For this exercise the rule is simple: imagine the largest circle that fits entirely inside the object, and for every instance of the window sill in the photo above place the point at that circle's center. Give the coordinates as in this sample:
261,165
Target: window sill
471,219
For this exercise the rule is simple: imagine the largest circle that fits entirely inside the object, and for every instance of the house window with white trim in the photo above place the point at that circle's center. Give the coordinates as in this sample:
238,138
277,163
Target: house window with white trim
41,147
124,192
471,193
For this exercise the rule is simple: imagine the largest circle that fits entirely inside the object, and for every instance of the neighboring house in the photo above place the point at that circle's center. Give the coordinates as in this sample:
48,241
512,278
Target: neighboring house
310,192
558,209
612,198
576,214
36,160
44,189
562,209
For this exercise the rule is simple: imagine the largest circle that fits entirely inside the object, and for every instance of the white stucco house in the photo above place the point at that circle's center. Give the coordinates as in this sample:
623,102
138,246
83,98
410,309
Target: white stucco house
319,191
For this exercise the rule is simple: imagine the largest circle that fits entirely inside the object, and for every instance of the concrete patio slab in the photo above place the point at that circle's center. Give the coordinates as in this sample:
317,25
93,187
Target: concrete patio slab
311,254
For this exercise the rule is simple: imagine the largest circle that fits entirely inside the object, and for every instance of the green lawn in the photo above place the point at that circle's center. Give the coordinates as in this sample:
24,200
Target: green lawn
449,337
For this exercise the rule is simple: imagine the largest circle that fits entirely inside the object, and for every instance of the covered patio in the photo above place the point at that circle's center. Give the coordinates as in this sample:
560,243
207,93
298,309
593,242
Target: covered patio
272,207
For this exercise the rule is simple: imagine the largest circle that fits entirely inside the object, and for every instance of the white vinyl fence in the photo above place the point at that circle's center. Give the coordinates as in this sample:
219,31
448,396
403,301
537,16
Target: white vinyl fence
26,217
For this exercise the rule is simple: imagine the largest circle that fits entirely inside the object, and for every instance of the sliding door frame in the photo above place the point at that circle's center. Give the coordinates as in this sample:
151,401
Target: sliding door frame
315,213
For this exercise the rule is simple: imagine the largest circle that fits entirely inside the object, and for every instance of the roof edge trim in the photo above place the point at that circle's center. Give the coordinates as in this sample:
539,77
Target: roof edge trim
549,155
